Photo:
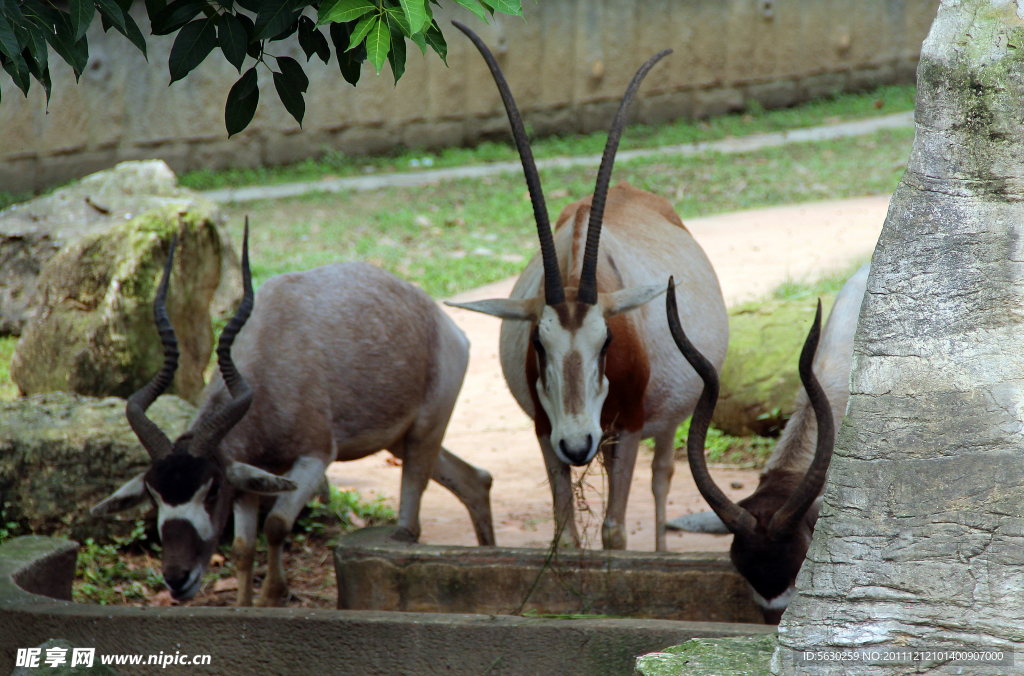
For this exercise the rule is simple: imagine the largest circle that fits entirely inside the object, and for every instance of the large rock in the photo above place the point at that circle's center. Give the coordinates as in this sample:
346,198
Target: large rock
62,453
34,232
94,332
759,379
740,656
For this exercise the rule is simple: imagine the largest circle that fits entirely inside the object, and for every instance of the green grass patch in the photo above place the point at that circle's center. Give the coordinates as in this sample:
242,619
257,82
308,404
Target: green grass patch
8,390
756,120
339,515
456,236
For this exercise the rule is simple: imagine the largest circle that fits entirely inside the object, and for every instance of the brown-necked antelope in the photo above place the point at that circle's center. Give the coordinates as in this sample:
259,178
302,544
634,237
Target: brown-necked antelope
773,527
335,363
581,353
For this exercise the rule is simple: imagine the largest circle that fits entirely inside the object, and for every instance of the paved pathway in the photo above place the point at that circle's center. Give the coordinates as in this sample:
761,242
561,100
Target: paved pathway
742,144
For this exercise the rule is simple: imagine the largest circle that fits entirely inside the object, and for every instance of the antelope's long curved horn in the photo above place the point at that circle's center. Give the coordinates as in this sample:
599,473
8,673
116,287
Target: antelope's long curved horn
736,519
588,275
217,425
152,437
554,292
786,520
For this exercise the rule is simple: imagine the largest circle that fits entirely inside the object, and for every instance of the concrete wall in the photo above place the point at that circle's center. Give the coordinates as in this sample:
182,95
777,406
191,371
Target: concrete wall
567,64
297,642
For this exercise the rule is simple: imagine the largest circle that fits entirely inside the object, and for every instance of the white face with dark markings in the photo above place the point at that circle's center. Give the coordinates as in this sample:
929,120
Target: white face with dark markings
571,343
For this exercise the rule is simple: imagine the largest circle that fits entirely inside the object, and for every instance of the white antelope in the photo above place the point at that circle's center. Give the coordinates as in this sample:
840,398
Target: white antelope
336,363
582,354
773,526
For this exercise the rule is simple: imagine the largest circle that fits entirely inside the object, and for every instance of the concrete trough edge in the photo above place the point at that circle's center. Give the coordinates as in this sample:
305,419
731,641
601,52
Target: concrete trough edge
297,641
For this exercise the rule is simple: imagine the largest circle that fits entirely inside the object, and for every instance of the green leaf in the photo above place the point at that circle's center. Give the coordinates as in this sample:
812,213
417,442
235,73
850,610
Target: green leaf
194,43
274,17
436,41
40,72
75,54
291,70
323,50
415,13
350,62
378,43
123,22
112,11
398,23
396,57
9,46
420,40
154,7
361,30
344,10
175,15
474,6
17,68
242,101
290,29
290,96
233,40
251,5
513,7
13,12
37,46
226,4
82,13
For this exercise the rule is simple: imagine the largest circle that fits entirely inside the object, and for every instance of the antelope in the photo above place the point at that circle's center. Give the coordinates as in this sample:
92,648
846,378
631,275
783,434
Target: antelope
335,363
773,527
582,355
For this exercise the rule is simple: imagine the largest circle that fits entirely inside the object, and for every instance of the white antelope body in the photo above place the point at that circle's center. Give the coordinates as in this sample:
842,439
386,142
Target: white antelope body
773,526
581,352
335,363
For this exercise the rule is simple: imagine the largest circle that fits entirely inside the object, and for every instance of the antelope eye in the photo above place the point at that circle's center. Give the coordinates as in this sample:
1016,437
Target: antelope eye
607,342
211,495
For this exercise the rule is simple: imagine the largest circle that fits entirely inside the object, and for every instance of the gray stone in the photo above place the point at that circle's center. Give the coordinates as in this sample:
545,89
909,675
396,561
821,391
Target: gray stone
741,656
62,453
920,542
33,232
94,332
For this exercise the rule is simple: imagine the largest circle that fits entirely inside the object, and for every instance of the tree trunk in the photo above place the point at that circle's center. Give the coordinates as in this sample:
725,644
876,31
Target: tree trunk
921,539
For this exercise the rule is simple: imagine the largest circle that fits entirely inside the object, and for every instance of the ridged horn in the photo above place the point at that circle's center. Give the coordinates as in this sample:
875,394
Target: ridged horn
216,426
787,519
554,292
152,437
736,519
588,276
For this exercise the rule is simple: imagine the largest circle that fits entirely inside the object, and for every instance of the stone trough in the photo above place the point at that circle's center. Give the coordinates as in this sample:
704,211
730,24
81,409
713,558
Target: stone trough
35,588
376,573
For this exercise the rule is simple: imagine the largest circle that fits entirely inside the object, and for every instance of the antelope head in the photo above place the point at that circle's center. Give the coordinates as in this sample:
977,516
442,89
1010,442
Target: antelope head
771,528
191,483
570,336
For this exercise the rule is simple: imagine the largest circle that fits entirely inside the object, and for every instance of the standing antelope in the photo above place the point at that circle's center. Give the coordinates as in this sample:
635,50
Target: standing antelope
575,357
336,363
773,526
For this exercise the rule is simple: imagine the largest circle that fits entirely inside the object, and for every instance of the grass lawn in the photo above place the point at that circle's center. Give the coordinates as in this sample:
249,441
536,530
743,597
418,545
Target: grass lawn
756,120
460,234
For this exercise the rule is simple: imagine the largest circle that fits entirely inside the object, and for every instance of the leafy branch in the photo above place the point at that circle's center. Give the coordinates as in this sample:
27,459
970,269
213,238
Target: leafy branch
360,30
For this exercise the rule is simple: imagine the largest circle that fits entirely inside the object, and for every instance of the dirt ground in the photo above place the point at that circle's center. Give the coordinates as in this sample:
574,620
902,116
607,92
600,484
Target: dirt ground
751,251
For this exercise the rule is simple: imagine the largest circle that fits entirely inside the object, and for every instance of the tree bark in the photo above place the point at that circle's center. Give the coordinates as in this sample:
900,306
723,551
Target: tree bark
920,543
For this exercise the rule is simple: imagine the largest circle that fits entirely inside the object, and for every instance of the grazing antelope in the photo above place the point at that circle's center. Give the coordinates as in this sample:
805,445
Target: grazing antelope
335,363
773,526
581,353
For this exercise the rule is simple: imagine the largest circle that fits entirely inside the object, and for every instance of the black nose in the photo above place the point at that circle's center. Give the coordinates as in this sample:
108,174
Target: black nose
176,583
577,456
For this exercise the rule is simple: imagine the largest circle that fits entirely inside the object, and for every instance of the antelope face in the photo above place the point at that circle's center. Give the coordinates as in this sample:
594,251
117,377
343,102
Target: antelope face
570,343
770,568
193,501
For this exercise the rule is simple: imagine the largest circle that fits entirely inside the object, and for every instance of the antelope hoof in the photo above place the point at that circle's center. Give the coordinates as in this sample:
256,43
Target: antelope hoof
270,598
613,536
403,534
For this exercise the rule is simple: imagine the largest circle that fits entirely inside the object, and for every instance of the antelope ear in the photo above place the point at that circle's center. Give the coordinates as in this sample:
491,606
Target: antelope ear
255,480
625,300
125,497
506,308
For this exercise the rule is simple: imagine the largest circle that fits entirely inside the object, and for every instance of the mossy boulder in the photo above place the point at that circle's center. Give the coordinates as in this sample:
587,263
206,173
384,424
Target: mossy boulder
34,232
743,656
759,379
94,334
62,453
